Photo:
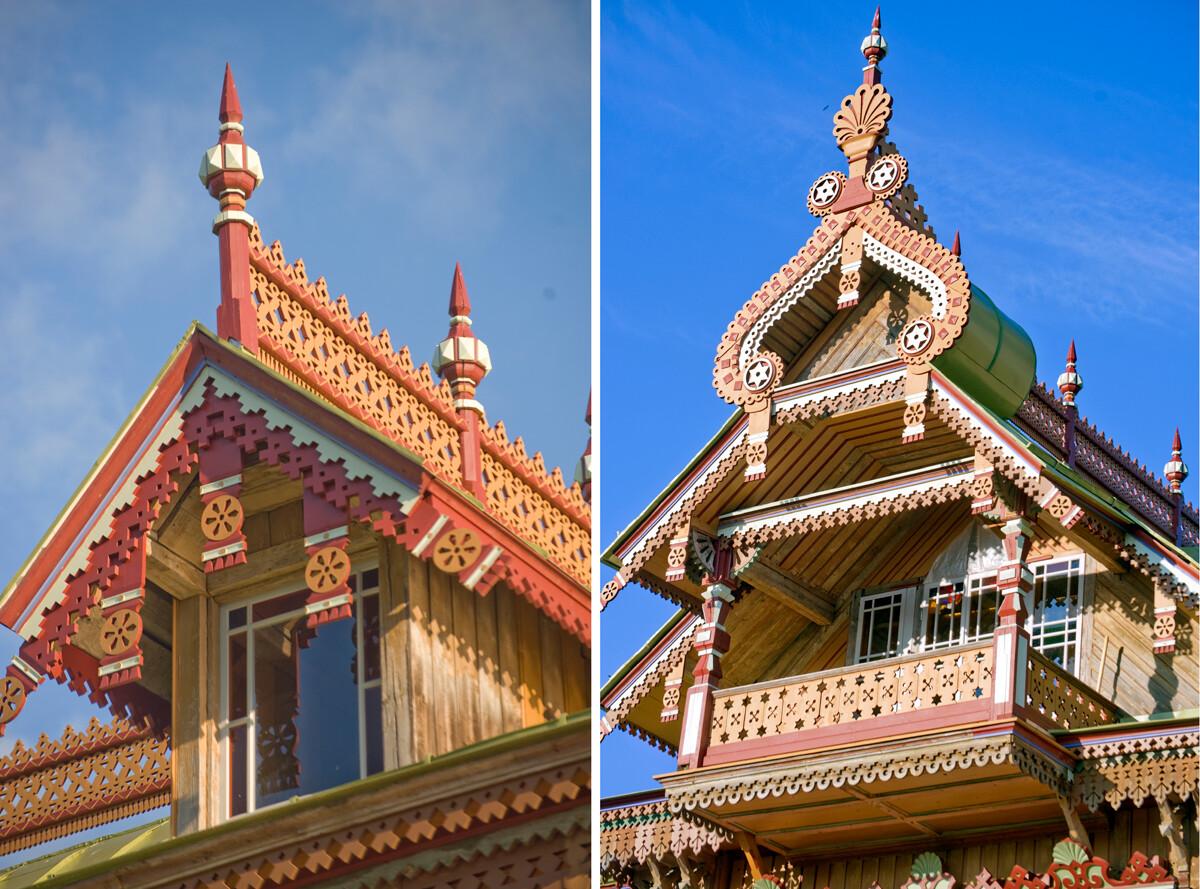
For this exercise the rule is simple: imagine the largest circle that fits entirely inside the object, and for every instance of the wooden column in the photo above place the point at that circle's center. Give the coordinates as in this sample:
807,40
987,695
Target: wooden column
195,763
711,643
395,625
1011,641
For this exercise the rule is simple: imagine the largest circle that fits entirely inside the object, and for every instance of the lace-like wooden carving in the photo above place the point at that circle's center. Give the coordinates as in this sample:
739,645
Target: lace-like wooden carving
82,780
1061,698
855,695
317,344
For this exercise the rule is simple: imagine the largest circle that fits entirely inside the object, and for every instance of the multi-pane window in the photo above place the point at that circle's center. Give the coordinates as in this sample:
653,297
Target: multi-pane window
963,611
301,706
958,613
879,625
1054,615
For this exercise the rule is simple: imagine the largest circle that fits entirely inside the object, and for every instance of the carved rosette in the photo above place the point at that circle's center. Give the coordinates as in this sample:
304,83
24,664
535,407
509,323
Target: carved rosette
327,572
221,524
1164,618
825,192
676,560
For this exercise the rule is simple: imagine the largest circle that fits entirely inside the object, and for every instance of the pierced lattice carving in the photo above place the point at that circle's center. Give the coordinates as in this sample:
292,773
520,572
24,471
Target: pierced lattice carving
1063,700
82,780
857,695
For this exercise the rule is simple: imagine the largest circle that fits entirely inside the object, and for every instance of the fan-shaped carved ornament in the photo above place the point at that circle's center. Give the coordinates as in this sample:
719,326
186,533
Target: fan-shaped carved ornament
866,111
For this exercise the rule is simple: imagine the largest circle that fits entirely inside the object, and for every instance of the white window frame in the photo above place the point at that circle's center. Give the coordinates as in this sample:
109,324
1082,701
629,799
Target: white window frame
224,724
903,638
916,594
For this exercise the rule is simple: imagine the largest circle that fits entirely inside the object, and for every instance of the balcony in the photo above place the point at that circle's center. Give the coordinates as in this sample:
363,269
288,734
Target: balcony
940,744
902,696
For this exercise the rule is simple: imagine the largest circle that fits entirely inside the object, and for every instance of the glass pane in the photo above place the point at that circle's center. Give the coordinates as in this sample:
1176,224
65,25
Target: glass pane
373,702
370,614
237,618
306,709
276,705
237,676
371,579
237,770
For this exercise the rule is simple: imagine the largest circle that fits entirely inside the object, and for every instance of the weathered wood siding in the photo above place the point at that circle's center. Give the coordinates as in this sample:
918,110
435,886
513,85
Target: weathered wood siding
1129,673
460,668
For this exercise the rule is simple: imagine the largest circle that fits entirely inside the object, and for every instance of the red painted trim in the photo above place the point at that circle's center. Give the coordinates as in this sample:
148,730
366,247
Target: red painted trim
122,453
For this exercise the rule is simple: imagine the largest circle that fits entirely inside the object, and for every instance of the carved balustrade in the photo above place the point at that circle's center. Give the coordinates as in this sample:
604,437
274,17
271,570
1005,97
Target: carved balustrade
1062,700
855,698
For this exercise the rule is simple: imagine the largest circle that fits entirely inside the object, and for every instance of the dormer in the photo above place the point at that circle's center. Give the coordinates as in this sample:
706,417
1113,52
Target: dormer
350,612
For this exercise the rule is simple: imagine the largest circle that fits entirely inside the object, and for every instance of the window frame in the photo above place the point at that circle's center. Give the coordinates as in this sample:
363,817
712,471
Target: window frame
224,724
917,592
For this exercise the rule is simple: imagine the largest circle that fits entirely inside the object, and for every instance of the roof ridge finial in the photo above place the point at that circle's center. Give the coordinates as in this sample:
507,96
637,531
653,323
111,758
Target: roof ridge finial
1070,383
874,48
462,359
460,303
231,171
231,107
956,249
1176,470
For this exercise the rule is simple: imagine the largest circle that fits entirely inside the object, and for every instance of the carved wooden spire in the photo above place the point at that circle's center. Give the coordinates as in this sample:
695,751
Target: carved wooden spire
231,170
874,48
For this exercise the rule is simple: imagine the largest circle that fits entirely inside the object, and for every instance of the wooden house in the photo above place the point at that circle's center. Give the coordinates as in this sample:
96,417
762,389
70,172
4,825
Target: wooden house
934,628
343,622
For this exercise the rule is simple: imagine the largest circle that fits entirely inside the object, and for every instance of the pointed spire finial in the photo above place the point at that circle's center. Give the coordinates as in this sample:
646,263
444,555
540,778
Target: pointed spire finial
1070,383
231,108
874,48
1176,470
231,171
462,358
460,303
957,248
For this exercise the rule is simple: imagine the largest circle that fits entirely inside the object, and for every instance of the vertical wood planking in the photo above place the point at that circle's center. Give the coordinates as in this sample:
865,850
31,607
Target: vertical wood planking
553,693
188,693
491,691
420,660
445,662
466,663
511,698
577,676
396,627
528,635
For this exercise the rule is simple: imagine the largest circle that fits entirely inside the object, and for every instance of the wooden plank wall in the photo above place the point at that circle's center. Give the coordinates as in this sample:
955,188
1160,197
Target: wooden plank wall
1131,675
1131,830
460,668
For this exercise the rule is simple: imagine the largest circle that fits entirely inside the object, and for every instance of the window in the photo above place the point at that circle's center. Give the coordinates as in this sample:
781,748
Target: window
301,706
879,625
962,612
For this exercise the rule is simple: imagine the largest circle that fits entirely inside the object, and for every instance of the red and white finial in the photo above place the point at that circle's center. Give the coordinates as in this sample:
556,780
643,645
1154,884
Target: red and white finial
1176,470
583,469
1070,383
231,169
874,48
462,359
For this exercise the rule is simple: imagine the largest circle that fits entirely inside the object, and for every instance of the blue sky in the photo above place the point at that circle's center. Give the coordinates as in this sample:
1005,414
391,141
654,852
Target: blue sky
396,139
1060,140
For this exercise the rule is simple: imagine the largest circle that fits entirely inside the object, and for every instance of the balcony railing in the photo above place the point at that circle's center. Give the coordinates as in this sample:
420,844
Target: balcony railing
926,692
